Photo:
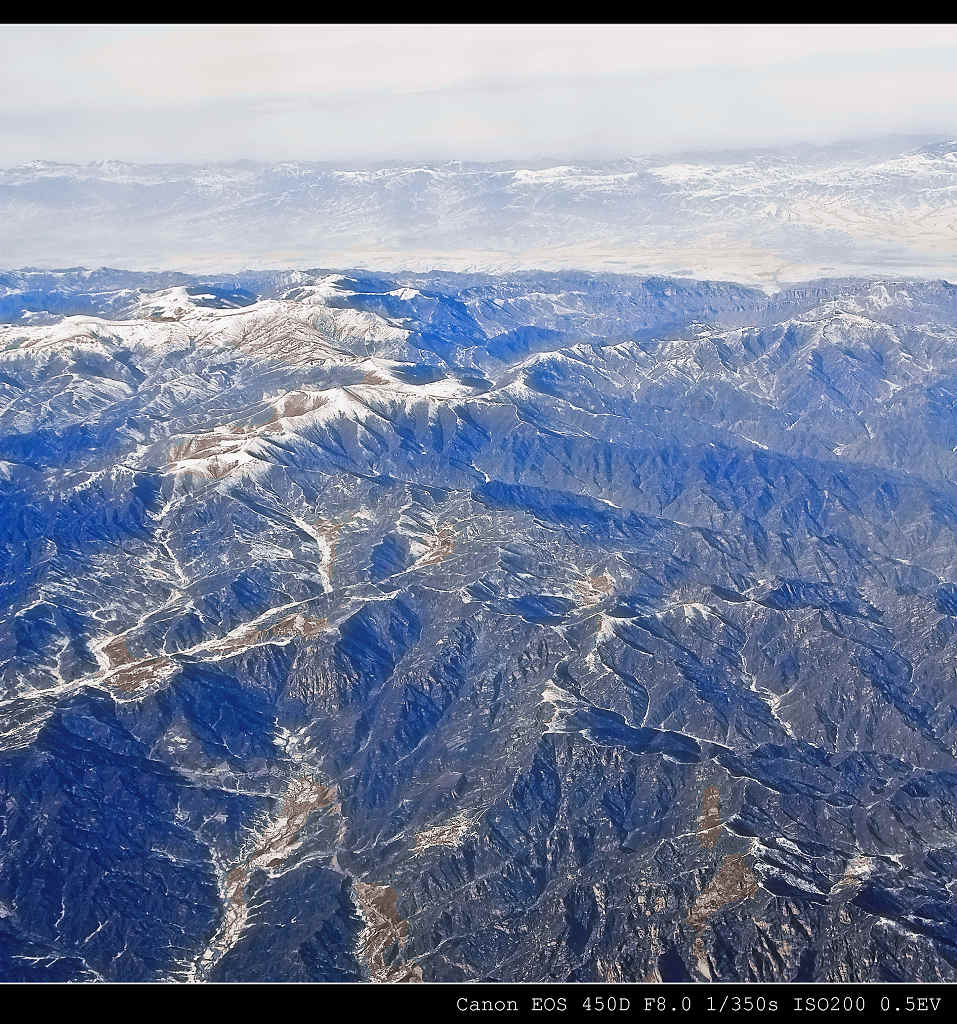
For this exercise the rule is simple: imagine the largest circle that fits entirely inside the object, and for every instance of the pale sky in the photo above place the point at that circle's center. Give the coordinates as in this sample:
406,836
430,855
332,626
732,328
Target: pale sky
369,93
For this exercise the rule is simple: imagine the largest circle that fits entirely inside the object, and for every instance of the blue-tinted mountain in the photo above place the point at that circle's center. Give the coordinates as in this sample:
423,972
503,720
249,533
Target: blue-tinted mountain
361,626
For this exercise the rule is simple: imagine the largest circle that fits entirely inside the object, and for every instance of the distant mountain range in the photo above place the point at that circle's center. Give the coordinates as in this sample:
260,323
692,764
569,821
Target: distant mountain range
763,217
361,626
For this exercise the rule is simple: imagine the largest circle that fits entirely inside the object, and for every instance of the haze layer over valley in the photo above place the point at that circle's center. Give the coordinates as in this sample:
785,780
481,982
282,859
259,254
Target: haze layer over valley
760,216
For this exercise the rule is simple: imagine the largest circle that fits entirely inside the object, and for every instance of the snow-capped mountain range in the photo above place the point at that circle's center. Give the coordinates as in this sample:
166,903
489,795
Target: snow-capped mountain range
763,217
371,627
371,624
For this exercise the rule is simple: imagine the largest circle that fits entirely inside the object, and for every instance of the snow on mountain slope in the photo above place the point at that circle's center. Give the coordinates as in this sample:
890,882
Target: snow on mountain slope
368,627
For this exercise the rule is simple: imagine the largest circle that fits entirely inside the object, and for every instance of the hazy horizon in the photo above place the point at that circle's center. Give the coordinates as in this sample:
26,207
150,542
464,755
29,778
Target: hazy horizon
871,142
760,216
475,93
756,153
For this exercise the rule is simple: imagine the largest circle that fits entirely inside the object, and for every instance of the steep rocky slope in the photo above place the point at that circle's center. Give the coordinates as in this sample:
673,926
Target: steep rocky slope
376,627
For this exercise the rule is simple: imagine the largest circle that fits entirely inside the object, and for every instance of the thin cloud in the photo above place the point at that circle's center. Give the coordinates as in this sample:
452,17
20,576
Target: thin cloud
201,93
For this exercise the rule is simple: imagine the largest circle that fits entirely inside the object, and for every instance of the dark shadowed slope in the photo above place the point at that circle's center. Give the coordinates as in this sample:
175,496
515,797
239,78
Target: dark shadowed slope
373,627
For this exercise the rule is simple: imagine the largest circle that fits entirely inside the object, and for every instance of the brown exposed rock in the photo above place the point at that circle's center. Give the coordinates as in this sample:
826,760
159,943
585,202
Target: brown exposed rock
595,586
378,907
442,547
733,882
298,625
328,529
211,449
137,675
293,625
374,378
299,403
277,840
199,447
117,652
709,823
125,672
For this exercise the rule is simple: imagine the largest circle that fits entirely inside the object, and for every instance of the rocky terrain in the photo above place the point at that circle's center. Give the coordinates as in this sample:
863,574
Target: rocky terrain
436,627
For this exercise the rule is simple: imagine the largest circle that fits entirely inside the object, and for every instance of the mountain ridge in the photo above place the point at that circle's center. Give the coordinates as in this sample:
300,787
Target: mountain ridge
762,216
371,626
